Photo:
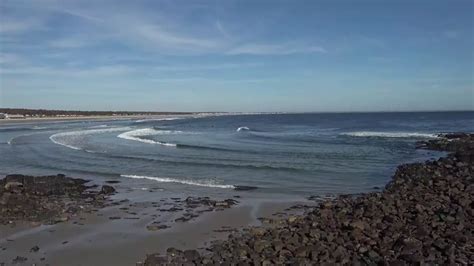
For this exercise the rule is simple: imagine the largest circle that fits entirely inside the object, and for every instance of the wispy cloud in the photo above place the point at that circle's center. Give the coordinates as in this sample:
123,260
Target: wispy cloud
161,32
70,42
10,59
275,49
451,34
161,37
16,26
77,13
188,67
72,69
106,70
222,30
208,80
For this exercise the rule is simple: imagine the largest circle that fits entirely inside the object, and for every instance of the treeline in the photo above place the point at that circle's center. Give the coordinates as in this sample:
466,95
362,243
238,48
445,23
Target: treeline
43,112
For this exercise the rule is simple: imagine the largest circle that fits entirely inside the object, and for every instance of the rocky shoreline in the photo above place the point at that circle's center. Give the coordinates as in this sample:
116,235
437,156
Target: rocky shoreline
48,199
425,215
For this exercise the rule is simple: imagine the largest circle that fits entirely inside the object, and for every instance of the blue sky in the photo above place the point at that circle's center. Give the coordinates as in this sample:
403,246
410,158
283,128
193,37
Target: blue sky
297,56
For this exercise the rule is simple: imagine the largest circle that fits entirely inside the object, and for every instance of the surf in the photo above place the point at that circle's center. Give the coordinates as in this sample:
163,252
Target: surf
205,183
67,139
138,134
243,129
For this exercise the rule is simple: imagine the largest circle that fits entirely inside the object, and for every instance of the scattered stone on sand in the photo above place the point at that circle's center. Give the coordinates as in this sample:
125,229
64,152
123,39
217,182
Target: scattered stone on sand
46,199
424,216
19,259
156,227
34,249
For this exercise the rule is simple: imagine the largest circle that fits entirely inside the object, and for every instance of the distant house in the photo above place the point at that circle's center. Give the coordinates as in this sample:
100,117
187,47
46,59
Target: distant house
9,116
3,116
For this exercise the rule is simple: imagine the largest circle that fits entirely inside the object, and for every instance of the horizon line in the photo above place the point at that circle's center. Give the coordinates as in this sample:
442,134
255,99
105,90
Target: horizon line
240,112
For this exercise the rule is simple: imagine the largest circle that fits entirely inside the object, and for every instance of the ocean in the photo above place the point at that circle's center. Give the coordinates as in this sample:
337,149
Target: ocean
284,156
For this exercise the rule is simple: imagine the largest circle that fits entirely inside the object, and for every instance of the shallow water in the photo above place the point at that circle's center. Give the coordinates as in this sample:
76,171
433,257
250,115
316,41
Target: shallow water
284,155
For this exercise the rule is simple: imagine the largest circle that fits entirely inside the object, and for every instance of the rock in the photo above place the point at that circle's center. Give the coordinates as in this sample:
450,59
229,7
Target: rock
44,199
244,188
258,231
173,252
292,219
61,219
259,245
19,259
154,227
155,259
191,255
34,249
107,190
361,225
14,187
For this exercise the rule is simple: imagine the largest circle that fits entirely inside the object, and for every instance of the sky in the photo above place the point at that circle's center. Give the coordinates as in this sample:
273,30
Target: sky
249,56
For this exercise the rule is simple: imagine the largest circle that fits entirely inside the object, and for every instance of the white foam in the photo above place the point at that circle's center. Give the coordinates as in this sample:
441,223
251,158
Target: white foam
99,126
390,134
67,139
207,183
159,119
136,134
243,129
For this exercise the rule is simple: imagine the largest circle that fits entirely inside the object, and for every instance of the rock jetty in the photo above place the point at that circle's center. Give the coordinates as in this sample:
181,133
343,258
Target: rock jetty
425,215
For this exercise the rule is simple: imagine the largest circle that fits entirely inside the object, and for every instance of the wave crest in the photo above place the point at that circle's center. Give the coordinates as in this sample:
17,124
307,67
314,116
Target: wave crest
243,129
207,183
159,119
68,139
138,133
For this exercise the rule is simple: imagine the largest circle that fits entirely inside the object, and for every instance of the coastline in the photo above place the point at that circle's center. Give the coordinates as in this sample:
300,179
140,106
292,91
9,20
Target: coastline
121,227
423,216
85,118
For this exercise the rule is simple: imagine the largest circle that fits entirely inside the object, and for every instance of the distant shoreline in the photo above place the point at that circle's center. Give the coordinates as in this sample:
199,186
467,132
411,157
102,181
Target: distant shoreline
69,118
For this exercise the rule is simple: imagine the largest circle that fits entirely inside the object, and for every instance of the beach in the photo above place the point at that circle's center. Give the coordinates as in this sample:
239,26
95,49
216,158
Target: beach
179,189
310,232
105,232
236,133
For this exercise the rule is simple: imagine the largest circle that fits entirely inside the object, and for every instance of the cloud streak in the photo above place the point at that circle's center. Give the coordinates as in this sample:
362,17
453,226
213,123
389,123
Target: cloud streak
162,32
274,49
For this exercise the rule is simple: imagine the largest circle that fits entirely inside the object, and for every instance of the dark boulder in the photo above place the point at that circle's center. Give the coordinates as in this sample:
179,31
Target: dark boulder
107,190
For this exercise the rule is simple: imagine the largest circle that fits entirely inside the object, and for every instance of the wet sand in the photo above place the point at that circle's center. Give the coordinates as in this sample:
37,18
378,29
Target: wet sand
95,239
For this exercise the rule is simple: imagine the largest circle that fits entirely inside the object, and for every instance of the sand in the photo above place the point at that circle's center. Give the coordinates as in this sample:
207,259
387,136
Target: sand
94,239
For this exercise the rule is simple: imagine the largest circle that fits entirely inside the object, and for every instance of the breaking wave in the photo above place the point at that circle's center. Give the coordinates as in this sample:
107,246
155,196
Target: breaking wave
206,183
390,134
69,139
137,135
159,119
243,129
